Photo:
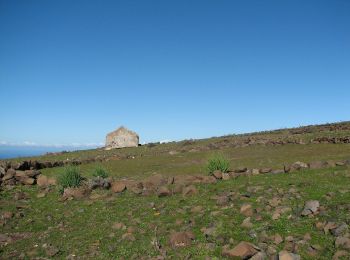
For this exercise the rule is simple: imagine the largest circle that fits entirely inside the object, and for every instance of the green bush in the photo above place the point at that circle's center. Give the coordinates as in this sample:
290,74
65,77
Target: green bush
100,172
70,178
218,163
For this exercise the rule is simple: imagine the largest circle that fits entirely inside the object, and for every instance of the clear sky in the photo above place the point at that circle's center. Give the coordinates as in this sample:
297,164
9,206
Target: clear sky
71,71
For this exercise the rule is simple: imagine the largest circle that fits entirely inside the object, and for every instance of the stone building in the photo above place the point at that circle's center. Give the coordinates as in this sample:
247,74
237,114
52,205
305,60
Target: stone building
120,138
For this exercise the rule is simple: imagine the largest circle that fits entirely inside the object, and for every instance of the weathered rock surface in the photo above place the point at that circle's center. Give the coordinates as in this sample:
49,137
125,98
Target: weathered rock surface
189,190
243,250
299,166
181,239
163,191
311,207
247,210
317,165
44,181
76,193
99,182
284,255
118,186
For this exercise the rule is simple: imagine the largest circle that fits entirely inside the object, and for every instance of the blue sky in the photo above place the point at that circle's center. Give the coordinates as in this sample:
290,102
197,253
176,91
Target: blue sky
71,71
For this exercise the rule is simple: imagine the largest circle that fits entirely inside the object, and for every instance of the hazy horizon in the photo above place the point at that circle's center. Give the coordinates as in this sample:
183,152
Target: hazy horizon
27,149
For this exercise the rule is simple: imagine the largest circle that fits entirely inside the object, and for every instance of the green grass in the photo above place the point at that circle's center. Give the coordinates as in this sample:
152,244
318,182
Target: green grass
84,227
69,178
218,163
87,223
99,171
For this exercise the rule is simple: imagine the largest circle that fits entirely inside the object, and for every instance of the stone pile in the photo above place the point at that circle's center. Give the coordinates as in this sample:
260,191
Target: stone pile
331,140
27,173
224,143
15,177
160,184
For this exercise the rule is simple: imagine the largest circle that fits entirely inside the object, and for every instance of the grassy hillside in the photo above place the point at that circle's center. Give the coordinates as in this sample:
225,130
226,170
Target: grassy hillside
36,222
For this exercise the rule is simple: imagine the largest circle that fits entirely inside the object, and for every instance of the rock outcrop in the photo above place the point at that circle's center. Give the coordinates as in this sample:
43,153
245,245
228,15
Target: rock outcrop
120,138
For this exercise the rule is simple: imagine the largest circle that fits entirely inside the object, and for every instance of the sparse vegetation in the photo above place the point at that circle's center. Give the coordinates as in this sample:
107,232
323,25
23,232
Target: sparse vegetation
99,171
218,163
70,178
105,225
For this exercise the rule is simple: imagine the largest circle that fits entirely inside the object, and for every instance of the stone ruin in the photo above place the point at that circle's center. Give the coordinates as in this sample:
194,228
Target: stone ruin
121,138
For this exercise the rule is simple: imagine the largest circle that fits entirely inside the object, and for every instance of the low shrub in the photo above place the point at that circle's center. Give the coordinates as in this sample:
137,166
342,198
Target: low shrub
99,171
218,163
70,178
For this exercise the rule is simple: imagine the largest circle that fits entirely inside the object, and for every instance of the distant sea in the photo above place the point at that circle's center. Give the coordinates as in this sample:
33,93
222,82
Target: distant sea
7,152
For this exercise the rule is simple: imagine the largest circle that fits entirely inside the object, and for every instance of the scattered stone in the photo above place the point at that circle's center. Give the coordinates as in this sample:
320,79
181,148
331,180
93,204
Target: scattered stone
278,171
329,226
265,170
32,173
299,166
277,239
184,180
217,174
259,256
246,223
208,231
207,179
222,200
343,242
20,196
44,181
243,250
313,250
41,195
271,251
154,181
317,165
163,191
197,209
128,236
181,239
226,176
307,237
134,186
255,171
2,171
274,202
51,250
9,175
118,186
247,210
342,229
99,182
27,181
340,255
170,180
284,255
75,193
240,170
118,226
7,215
189,190
13,237
339,163
311,207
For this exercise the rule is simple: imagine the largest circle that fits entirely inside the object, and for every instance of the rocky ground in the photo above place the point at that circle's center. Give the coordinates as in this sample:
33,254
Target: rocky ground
278,201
